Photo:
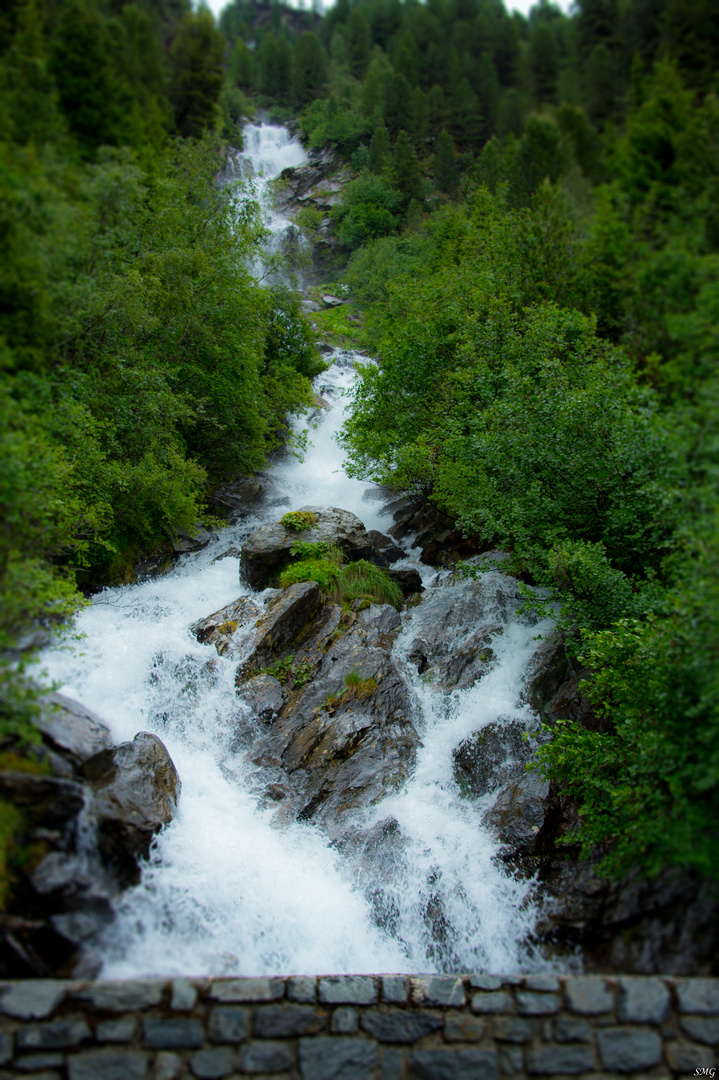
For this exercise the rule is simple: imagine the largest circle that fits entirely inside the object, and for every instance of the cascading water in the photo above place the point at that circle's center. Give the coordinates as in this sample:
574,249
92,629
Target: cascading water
230,890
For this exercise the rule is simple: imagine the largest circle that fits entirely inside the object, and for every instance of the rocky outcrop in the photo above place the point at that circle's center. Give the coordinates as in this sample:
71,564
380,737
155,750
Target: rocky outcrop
269,548
135,790
83,821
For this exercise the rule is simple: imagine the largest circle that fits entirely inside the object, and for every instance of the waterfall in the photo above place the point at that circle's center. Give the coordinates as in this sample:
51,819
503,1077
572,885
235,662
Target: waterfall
229,888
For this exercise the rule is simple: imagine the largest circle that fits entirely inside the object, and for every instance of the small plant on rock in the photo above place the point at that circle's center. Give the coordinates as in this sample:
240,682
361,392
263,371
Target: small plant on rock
364,580
299,520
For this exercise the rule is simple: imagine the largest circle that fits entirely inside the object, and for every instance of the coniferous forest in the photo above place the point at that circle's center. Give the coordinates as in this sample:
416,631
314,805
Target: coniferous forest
530,235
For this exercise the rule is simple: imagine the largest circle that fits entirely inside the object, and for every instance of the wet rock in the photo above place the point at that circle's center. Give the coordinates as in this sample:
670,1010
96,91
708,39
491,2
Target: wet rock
268,549
384,550
347,737
489,757
408,580
518,813
286,614
219,628
185,542
46,800
239,496
135,792
331,301
264,696
72,729
58,872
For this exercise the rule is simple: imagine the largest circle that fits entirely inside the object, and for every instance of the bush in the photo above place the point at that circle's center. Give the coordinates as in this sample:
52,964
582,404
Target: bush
299,520
323,571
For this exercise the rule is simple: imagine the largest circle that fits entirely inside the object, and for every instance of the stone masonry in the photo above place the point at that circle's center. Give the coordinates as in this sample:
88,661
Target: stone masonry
360,1027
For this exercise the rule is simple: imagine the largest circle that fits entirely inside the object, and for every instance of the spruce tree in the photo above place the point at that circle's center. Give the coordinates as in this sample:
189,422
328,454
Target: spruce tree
197,54
379,150
406,177
446,170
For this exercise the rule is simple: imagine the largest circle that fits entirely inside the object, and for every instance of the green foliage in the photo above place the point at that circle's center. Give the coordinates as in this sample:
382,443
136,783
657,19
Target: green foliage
299,520
364,580
324,571
323,549
197,54
11,825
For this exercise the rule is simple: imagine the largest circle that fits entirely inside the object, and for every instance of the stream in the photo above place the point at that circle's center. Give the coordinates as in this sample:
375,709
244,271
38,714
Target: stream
230,886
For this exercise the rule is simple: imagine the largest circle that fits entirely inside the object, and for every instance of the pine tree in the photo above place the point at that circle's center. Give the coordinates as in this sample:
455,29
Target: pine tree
406,177
446,170
309,68
544,62
379,150
398,112
197,54
358,43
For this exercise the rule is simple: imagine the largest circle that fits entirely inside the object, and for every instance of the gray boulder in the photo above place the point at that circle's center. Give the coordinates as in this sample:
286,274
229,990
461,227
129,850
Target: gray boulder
71,729
220,628
135,790
264,695
491,757
269,548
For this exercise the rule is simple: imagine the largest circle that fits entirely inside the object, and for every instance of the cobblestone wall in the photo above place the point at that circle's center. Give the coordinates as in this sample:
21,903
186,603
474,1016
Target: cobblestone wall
359,1028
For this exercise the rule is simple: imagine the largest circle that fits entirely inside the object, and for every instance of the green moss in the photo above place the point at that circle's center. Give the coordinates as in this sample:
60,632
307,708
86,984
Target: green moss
11,825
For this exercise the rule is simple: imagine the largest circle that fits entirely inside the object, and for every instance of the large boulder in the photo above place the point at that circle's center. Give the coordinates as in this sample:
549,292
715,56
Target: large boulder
72,729
221,628
269,548
135,790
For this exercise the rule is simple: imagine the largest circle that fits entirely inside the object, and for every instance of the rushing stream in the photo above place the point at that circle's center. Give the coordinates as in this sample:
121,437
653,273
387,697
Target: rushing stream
230,887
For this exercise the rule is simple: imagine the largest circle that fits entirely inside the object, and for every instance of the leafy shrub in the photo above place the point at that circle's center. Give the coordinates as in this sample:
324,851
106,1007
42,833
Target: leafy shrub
362,579
299,520
323,571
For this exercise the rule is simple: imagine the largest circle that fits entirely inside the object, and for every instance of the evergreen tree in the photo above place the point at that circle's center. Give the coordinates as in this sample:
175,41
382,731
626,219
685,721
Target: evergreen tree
398,110
242,67
379,150
446,169
600,85
487,85
544,64
406,177
309,64
94,102
197,54
358,43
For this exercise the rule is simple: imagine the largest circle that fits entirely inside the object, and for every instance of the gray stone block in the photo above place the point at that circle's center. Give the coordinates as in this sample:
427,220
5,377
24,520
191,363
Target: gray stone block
400,1025
567,1029
453,1065
392,1064
512,1029
108,1065
184,996
486,982
286,1021
685,1057
227,1023
555,1060
212,1064
348,990
129,995
231,990
54,1035
116,1031
345,1020
173,1034
32,1000
34,1062
458,1027
629,1049
542,982
265,1057
337,1058
395,989
302,988
540,1004
493,1002
699,996
588,995
510,1059
702,1028
167,1066
437,990
643,1000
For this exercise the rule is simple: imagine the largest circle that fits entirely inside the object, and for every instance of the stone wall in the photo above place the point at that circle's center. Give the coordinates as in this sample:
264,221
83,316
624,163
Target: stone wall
359,1028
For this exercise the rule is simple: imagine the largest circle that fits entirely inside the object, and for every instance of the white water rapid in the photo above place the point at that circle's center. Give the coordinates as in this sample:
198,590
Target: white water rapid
228,888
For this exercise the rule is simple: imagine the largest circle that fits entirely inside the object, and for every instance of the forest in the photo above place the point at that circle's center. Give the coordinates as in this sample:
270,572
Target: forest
531,238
